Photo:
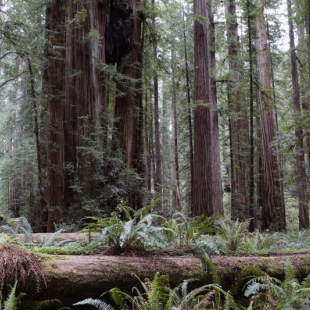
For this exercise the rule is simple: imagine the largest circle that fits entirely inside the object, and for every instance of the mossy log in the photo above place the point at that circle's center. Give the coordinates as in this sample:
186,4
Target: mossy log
74,278
76,237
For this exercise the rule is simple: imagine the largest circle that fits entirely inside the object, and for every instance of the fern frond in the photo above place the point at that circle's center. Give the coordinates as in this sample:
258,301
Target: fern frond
97,303
262,284
51,239
12,301
26,228
191,298
246,274
119,298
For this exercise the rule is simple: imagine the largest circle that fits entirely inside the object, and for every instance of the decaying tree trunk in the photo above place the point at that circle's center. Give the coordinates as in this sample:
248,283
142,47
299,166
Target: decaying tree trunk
74,278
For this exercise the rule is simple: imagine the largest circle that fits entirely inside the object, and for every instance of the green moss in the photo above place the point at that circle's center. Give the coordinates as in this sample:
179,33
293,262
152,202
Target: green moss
246,274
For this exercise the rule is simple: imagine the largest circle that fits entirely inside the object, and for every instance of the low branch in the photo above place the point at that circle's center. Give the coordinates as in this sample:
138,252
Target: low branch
12,79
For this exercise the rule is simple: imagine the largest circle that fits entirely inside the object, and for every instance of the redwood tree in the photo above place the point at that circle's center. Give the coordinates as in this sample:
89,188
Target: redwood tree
271,194
55,92
239,125
128,107
206,187
300,155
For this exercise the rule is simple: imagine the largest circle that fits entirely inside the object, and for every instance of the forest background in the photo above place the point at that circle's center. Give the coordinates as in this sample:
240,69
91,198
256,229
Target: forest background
204,105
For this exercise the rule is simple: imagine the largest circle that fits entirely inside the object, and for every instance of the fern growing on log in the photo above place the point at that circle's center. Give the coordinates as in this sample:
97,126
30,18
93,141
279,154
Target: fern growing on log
97,303
269,293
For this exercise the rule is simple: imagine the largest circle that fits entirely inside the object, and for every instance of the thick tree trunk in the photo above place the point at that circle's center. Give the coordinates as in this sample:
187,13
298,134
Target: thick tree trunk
207,190
271,197
55,106
300,156
128,108
74,278
239,125
251,116
76,104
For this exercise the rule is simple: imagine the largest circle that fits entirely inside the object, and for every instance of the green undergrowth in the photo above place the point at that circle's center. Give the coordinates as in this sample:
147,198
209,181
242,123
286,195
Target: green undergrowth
252,289
143,232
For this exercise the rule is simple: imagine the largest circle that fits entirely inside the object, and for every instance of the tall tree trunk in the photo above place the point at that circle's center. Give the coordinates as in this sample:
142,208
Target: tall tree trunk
189,115
251,103
15,179
300,156
240,144
158,175
76,101
273,209
306,88
174,125
39,220
207,188
128,108
55,138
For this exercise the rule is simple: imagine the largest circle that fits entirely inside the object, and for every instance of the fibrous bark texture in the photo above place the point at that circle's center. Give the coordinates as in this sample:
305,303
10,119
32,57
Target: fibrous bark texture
271,194
238,121
206,187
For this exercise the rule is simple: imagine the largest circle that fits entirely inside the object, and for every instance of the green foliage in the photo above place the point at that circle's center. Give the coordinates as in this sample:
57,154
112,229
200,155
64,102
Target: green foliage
46,304
232,232
189,230
127,229
246,274
157,295
22,226
12,301
139,231
99,304
257,241
271,293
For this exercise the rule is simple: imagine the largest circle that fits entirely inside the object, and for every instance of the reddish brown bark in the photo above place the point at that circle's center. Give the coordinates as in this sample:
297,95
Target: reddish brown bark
76,103
55,137
300,156
239,126
207,190
128,107
271,195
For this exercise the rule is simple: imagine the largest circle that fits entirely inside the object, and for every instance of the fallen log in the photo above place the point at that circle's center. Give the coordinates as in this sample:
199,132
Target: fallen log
39,238
74,278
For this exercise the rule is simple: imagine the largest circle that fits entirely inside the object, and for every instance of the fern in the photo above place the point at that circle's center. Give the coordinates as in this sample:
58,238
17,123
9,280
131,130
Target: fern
119,298
12,301
262,284
246,274
233,232
22,227
97,303
51,239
